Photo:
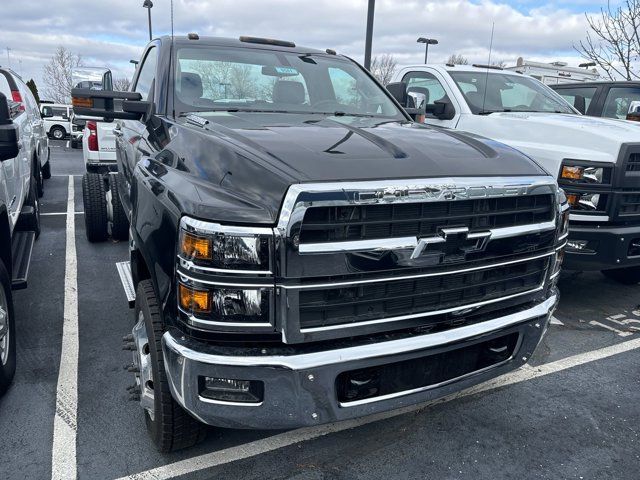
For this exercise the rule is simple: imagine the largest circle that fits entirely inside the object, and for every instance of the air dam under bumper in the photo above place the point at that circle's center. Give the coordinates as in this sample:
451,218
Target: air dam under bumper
300,390
607,248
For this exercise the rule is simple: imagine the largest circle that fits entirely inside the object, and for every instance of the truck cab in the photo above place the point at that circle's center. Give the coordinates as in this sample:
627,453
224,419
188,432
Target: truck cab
595,160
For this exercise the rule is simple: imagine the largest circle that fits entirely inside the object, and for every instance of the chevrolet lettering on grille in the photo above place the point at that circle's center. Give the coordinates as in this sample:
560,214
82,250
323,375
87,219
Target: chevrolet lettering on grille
437,192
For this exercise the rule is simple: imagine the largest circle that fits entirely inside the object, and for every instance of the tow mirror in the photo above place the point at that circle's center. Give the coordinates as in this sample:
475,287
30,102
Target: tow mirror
105,106
9,145
398,90
442,109
580,104
412,101
634,111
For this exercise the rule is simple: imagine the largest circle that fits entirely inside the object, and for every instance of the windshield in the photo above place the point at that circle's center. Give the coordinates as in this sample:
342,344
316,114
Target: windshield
245,79
498,92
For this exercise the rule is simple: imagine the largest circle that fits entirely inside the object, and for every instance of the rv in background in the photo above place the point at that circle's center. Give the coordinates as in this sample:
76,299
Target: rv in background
555,73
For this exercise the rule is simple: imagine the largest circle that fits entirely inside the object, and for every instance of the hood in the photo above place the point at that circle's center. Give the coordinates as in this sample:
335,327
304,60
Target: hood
257,156
571,136
313,148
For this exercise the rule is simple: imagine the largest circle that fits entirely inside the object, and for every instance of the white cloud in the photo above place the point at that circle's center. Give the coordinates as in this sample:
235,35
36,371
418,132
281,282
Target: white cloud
111,32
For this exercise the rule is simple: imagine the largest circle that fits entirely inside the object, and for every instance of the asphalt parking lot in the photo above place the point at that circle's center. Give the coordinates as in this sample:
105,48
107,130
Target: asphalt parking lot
574,414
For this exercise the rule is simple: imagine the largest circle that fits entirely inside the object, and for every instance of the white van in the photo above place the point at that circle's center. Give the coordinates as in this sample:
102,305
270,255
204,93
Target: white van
57,119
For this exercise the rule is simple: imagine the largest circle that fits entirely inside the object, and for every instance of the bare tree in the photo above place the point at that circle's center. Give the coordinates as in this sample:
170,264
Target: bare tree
57,75
457,59
122,84
613,43
383,67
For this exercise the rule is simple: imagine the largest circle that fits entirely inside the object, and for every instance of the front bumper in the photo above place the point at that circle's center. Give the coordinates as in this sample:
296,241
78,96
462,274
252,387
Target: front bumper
300,389
607,247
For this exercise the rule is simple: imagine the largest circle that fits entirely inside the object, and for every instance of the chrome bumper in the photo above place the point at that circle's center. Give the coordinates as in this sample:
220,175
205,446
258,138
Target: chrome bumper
299,389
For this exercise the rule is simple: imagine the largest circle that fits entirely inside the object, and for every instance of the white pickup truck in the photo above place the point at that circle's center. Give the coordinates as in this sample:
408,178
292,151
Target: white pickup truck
596,160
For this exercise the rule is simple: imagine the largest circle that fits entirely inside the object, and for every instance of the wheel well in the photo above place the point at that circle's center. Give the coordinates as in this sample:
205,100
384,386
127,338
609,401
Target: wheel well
139,268
57,126
5,241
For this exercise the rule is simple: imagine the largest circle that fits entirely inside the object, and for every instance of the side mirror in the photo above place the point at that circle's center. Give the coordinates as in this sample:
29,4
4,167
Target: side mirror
398,90
442,109
105,106
634,111
8,132
580,104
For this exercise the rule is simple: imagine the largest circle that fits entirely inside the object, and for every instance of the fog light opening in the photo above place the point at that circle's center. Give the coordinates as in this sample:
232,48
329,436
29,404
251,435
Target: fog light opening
231,390
580,246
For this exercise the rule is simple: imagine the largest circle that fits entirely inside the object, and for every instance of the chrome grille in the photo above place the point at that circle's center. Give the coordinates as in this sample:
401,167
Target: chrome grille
361,222
366,257
361,303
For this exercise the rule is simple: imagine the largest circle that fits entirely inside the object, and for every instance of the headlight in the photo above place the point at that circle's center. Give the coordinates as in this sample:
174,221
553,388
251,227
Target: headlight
226,304
225,247
585,201
224,276
579,174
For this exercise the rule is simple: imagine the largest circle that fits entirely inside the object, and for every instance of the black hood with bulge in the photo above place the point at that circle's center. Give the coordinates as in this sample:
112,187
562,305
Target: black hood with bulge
250,159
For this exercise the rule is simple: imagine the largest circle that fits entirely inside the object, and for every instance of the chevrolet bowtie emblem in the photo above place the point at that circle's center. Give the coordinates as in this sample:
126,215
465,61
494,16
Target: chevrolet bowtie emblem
454,241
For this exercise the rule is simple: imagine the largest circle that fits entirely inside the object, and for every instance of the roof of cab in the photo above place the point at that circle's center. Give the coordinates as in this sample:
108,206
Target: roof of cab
184,40
462,68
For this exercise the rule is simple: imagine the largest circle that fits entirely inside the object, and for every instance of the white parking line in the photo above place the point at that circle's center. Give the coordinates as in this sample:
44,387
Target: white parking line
619,332
63,458
59,213
240,452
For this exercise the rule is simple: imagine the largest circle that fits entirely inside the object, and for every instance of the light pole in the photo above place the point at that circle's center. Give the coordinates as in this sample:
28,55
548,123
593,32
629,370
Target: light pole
427,42
148,4
587,65
369,38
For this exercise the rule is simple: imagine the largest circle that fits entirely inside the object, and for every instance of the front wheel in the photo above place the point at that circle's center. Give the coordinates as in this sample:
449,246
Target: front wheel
626,276
46,170
169,425
7,332
58,133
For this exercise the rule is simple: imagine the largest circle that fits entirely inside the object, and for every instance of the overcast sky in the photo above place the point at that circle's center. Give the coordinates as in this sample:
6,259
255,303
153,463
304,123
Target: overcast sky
111,32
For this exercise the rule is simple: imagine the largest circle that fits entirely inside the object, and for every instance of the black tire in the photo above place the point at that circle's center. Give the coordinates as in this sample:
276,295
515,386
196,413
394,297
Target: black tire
37,173
172,428
95,207
119,222
31,222
46,170
8,368
58,133
626,276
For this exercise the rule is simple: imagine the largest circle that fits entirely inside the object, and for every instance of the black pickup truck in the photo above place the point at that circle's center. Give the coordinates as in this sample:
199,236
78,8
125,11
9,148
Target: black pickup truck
301,251
601,99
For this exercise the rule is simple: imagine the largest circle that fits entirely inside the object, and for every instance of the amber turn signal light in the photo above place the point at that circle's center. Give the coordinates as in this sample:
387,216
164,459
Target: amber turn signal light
572,173
573,199
196,247
82,102
194,300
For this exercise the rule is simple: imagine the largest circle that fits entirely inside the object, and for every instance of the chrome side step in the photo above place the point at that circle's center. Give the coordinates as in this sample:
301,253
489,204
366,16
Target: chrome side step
124,270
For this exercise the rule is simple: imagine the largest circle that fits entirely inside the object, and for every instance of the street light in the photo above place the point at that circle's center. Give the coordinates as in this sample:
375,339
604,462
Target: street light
587,65
427,42
148,4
